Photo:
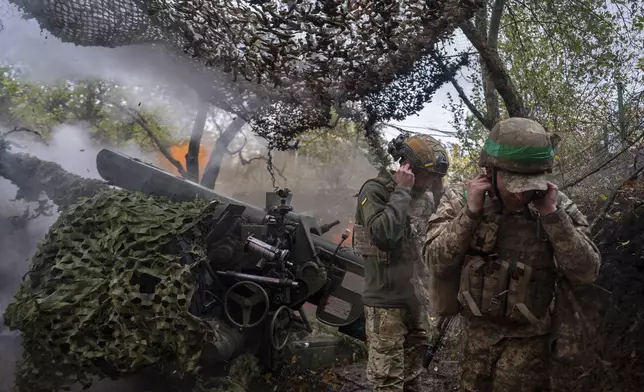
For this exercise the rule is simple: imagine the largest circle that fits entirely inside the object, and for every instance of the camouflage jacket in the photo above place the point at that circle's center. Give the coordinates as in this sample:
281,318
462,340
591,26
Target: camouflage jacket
388,233
561,243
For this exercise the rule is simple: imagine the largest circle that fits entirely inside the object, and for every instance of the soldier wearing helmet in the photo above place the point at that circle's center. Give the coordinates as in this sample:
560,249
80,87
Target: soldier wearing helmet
391,215
491,250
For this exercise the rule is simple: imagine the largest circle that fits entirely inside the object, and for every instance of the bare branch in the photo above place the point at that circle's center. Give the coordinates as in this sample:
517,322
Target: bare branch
218,128
611,198
192,156
138,117
480,19
245,161
590,173
23,129
495,23
491,99
211,172
483,119
489,91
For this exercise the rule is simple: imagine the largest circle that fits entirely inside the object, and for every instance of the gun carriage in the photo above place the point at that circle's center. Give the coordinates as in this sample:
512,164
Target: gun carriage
262,265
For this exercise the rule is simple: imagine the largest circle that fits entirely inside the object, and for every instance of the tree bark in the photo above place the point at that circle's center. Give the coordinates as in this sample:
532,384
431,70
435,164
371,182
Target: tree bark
34,176
192,156
211,172
136,116
489,89
497,71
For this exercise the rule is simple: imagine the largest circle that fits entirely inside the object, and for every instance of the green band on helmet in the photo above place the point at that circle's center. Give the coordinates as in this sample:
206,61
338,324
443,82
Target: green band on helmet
519,154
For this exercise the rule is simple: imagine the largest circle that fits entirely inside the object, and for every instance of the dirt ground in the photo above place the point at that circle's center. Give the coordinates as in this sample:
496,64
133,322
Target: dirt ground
441,376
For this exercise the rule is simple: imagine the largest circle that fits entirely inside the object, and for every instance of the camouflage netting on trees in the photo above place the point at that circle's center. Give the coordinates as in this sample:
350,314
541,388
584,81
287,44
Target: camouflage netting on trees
315,54
333,49
107,293
322,50
108,23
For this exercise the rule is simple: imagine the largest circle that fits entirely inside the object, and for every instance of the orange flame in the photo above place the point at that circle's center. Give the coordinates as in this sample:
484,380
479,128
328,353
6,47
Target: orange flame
178,152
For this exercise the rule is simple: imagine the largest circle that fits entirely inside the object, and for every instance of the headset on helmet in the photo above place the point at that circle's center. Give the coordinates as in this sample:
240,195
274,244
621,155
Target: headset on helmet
435,159
395,147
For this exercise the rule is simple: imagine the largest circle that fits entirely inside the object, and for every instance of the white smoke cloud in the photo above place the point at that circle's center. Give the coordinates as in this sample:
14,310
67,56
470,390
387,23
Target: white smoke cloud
73,149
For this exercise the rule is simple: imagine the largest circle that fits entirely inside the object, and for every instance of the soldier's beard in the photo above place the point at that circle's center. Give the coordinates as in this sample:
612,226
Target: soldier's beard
435,187
433,184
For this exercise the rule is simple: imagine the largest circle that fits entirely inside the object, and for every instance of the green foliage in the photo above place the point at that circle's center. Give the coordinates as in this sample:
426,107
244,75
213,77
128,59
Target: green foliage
463,165
333,148
326,144
566,58
92,104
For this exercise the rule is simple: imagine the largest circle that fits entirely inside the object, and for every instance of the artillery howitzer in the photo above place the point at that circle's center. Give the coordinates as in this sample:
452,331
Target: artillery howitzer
185,279
263,265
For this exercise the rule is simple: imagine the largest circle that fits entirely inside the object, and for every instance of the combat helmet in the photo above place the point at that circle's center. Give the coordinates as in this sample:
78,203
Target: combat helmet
522,152
421,151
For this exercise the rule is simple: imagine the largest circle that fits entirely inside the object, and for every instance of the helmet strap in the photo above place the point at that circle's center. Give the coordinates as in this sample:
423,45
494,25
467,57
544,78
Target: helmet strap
497,194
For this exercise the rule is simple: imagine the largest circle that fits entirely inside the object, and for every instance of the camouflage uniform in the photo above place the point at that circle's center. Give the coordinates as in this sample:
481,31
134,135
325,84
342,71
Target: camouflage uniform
388,231
504,266
421,209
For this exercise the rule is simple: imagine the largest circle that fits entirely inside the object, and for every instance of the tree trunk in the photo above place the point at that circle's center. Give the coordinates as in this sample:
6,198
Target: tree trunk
497,71
192,156
32,176
211,172
492,34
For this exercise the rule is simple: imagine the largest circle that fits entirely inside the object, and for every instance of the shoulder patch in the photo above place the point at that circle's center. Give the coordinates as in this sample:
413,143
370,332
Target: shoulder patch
364,200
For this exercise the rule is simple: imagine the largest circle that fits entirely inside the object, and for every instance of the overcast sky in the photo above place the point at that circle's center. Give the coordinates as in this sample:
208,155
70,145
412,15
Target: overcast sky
49,59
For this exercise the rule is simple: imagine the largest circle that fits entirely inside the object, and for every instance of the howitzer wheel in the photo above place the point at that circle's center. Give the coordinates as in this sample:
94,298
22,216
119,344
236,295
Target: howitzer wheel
280,327
246,303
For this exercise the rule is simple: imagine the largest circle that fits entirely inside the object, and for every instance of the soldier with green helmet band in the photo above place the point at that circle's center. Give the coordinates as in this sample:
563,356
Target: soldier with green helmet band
494,251
522,159
391,216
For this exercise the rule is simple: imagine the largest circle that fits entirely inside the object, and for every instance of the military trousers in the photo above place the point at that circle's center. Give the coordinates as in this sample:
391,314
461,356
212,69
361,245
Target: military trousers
505,365
396,340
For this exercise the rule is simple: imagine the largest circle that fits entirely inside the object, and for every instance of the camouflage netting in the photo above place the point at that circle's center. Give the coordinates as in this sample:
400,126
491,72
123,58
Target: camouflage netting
315,54
93,22
335,49
107,293
315,49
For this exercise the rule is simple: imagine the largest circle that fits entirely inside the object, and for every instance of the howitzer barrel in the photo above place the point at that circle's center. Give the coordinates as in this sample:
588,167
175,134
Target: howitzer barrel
134,175
343,287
